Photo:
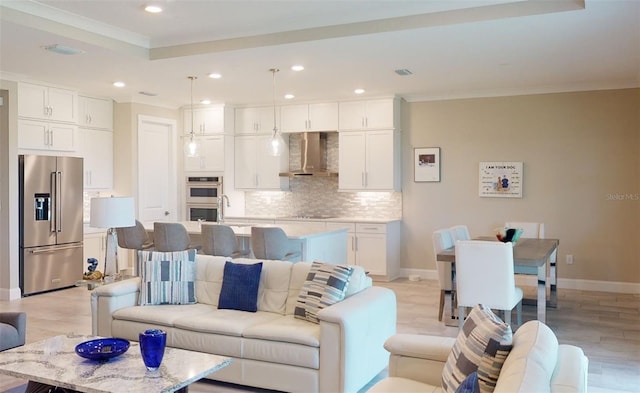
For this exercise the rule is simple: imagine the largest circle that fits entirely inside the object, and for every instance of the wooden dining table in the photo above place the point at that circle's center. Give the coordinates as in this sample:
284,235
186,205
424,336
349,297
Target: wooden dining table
530,256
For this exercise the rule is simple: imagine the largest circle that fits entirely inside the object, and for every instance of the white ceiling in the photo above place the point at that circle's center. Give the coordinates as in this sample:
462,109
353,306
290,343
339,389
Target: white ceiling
454,48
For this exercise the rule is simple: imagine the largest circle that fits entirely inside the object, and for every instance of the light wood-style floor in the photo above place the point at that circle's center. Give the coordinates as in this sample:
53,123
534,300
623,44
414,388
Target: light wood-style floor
605,325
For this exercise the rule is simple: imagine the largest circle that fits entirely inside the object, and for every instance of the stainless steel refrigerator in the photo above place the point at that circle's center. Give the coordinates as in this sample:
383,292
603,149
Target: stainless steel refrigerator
51,230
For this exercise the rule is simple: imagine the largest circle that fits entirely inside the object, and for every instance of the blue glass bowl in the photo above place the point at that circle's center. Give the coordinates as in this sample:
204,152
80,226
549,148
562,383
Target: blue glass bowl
102,348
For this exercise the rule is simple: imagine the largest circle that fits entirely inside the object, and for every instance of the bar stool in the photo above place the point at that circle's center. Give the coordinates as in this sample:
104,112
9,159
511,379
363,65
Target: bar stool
171,236
272,243
220,240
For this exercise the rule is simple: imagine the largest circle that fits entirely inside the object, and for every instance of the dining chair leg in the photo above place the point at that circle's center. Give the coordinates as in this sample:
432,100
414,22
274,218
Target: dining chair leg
441,305
461,316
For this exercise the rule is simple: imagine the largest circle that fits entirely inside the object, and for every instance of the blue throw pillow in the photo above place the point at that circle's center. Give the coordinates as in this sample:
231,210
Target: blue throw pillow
240,286
470,384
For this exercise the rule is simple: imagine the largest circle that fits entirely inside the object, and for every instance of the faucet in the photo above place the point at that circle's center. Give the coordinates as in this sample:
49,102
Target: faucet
221,199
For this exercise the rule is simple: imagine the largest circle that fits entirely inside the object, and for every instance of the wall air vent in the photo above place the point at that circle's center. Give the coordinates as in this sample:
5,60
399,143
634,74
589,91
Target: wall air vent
403,72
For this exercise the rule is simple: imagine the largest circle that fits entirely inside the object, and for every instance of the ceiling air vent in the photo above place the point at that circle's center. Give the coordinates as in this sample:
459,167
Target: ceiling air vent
146,93
403,72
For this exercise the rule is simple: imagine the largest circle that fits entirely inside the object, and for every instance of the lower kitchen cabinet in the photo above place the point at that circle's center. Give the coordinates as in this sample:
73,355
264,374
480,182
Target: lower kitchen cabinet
373,246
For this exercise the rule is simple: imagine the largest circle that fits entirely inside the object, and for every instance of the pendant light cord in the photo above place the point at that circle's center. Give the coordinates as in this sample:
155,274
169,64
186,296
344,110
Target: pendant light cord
273,71
192,79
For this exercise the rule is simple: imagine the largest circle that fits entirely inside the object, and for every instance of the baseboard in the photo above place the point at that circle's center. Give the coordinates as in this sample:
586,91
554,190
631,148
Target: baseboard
563,283
10,294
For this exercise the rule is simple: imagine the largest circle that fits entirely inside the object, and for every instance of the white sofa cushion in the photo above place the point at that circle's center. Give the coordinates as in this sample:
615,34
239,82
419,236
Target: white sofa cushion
532,360
279,352
165,315
227,322
286,329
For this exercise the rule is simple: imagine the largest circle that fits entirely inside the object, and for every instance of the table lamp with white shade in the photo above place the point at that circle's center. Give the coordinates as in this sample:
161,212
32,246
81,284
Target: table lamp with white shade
112,213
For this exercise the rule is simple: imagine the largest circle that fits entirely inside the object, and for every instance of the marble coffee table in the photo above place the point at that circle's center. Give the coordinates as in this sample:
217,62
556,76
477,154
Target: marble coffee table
54,362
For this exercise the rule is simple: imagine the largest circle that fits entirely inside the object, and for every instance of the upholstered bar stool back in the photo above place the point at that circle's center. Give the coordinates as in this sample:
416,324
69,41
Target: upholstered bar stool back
272,243
170,236
220,240
134,238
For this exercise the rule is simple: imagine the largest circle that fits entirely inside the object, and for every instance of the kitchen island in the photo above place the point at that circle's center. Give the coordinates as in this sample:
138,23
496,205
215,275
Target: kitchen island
314,244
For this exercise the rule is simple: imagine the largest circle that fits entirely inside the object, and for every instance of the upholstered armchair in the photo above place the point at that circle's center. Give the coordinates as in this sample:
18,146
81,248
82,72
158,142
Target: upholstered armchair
13,327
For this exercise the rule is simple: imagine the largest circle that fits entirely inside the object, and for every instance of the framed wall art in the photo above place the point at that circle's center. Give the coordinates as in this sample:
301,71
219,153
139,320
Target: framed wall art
500,179
426,164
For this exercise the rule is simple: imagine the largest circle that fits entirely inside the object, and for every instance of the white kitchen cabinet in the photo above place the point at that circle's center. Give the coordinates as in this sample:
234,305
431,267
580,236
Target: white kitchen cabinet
95,112
211,155
373,246
369,160
97,150
47,103
370,114
209,120
40,135
255,168
312,117
257,120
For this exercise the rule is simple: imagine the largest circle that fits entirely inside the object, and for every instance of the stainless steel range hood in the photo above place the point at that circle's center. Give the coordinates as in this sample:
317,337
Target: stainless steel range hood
313,159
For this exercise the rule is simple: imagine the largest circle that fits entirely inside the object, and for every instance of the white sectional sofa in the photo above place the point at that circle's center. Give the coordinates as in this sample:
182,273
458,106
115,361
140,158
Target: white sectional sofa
270,348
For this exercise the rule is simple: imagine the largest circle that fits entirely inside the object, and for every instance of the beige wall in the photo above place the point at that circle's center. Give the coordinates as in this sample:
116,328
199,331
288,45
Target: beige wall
581,175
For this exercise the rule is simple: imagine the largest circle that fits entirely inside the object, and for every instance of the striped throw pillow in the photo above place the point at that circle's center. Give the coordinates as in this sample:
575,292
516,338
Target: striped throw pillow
325,285
482,345
167,277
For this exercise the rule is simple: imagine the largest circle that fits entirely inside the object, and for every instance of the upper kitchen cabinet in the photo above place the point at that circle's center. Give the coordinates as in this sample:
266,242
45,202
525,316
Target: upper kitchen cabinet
211,158
255,168
214,119
42,135
97,151
312,117
369,161
376,114
95,113
46,103
257,120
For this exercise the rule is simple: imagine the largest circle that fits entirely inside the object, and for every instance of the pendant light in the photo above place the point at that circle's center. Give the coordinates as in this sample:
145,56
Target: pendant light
277,143
192,146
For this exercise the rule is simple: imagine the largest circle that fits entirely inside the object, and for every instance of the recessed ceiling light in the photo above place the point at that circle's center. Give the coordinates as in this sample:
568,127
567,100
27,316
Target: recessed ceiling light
297,67
205,102
289,96
62,50
119,84
215,75
358,91
153,9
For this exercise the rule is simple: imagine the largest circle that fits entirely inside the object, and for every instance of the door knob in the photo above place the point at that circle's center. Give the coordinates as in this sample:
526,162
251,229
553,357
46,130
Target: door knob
166,213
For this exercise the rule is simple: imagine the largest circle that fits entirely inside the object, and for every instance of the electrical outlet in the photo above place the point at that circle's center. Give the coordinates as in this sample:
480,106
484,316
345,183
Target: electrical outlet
569,259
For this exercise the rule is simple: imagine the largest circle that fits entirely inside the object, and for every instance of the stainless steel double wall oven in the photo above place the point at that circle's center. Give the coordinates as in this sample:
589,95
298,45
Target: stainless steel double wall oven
202,197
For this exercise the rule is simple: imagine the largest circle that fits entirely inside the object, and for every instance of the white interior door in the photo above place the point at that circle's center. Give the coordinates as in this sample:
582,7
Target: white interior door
157,188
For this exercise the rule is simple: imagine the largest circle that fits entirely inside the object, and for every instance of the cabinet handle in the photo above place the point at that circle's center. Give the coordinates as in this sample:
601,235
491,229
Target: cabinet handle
366,122
90,120
50,111
51,139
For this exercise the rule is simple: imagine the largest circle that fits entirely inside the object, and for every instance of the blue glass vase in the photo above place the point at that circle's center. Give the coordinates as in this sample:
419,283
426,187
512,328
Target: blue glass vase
152,343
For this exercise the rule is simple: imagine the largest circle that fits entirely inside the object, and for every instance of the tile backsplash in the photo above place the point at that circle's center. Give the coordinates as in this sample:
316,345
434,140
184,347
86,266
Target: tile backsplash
311,196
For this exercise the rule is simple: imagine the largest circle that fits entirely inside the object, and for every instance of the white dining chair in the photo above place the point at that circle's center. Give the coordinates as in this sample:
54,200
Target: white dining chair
484,275
443,239
461,232
535,230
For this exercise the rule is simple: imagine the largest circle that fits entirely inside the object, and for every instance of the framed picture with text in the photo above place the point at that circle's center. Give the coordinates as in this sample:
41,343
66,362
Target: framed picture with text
426,167
500,179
